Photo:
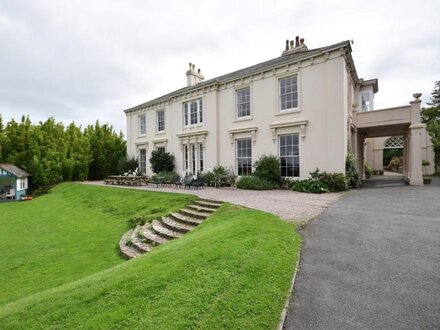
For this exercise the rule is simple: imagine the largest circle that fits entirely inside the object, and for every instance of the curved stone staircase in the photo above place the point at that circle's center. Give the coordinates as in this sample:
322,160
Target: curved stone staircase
143,238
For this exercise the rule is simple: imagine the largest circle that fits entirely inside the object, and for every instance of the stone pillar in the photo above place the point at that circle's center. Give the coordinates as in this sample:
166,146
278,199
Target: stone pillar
415,152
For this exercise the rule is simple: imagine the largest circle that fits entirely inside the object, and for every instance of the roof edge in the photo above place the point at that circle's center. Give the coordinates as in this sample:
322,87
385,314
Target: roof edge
215,81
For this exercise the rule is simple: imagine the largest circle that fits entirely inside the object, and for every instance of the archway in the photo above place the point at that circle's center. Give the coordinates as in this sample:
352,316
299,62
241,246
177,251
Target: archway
393,154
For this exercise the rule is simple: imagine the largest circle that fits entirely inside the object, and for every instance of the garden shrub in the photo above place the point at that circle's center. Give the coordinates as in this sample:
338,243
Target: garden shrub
255,183
368,170
209,179
268,168
331,182
168,176
352,171
220,176
161,161
127,165
309,186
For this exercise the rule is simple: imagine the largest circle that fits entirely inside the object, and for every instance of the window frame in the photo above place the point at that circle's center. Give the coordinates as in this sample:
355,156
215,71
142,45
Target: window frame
238,158
189,112
142,161
144,126
201,157
370,100
158,122
297,91
293,156
237,103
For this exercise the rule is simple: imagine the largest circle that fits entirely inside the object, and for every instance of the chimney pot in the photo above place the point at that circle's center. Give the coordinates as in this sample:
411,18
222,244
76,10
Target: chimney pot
291,44
193,67
190,66
301,41
198,71
287,44
296,41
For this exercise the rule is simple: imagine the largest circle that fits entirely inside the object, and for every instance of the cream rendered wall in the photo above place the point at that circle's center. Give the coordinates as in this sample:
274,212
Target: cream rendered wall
322,102
323,87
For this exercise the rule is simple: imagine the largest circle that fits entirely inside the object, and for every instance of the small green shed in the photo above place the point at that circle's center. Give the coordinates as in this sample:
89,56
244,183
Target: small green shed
13,182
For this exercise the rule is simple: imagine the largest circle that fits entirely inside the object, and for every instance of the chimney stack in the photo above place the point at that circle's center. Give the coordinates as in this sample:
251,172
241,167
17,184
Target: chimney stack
294,46
193,77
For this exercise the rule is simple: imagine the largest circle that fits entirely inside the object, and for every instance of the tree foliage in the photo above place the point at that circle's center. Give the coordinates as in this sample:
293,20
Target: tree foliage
53,153
268,168
161,161
431,116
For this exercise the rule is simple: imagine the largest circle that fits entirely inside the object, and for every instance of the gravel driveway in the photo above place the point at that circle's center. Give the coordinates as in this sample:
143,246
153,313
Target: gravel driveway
288,205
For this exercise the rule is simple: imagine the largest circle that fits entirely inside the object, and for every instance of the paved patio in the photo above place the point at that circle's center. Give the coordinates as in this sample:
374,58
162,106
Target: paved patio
288,205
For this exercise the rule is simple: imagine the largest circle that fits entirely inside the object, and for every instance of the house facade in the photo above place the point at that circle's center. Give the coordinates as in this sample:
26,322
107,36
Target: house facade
13,182
301,106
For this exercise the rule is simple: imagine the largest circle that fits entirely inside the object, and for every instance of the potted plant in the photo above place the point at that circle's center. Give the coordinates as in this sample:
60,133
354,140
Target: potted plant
426,179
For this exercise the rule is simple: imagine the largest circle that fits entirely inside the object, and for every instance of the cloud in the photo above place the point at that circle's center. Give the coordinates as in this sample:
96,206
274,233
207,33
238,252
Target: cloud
82,61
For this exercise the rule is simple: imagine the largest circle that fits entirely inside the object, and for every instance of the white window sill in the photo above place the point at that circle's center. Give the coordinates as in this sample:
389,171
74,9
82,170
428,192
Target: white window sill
193,126
142,135
240,119
160,133
288,111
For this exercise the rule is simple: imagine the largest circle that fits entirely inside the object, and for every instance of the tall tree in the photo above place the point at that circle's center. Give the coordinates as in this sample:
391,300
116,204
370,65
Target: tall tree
107,147
431,116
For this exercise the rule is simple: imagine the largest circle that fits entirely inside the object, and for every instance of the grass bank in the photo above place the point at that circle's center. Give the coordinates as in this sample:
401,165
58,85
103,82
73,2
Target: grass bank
233,271
68,234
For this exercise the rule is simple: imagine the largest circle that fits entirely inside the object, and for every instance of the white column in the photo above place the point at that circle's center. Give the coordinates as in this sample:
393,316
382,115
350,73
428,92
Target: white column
415,152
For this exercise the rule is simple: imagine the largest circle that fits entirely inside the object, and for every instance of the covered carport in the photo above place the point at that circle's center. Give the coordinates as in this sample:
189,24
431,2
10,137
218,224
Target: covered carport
399,121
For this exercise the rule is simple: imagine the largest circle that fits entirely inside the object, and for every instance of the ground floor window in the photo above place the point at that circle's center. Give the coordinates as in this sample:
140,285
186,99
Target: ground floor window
143,161
289,155
201,157
194,158
162,149
244,156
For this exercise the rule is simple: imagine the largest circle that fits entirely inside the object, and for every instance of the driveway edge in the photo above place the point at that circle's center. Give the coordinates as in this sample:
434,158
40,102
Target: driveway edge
289,295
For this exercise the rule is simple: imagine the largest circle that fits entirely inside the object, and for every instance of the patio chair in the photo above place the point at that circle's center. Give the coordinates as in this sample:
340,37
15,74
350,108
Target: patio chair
188,181
199,182
158,181
10,194
178,182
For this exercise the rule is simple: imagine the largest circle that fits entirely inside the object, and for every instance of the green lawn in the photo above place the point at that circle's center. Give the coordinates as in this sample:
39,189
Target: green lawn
233,271
69,233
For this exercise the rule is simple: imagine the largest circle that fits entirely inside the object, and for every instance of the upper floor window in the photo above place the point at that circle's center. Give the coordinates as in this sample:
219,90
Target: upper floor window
366,101
288,89
142,125
160,115
243,102
193,112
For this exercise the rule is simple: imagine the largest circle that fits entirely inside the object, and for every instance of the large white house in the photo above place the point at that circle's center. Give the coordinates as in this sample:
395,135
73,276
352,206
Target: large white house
308,107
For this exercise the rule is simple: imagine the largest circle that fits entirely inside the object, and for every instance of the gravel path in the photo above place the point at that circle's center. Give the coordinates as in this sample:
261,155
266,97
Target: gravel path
288,205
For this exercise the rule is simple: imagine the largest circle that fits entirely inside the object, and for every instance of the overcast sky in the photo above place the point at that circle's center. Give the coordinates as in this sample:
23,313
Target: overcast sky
87,60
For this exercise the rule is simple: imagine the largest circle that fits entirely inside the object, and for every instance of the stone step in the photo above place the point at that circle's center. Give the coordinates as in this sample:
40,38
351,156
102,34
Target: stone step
151,237
210,201
179,217
194,214
138,240
207,204
164,232
200,208
128,251
176,225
